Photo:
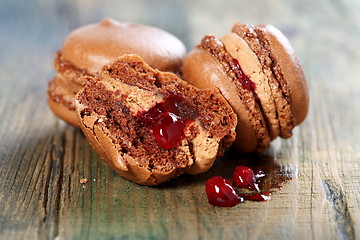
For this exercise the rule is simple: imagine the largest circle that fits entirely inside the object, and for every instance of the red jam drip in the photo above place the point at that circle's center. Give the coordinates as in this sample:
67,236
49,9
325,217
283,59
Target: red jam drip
243,78
168,120
257,197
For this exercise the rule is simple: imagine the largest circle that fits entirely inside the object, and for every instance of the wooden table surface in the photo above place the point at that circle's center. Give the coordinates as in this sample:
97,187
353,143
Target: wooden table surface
42,159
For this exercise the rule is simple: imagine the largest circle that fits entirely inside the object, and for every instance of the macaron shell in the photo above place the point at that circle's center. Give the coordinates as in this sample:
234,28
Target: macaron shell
201,70
60,98
239,49
63,112
292,70
93,46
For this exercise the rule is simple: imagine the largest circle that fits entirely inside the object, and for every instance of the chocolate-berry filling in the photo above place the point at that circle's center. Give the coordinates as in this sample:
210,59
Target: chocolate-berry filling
255,38
229,64
244,86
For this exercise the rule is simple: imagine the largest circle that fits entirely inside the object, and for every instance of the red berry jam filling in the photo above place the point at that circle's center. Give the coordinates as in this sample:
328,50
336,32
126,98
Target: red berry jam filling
221,193
243,78
169,119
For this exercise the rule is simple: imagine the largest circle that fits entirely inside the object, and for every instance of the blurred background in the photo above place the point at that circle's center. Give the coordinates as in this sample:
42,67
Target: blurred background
320,27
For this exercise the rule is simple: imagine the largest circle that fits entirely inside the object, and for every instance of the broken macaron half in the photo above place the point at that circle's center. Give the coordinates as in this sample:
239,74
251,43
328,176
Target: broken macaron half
150,126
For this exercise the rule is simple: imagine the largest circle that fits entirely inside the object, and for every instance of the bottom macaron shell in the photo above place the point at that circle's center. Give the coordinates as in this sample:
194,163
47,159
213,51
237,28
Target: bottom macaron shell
63,112
60,98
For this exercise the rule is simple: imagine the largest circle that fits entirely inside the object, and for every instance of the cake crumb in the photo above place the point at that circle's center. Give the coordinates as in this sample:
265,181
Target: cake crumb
83,180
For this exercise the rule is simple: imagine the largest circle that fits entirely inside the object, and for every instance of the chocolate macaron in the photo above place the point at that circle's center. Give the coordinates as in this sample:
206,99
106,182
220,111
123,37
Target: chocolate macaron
87,49
150,126
257,71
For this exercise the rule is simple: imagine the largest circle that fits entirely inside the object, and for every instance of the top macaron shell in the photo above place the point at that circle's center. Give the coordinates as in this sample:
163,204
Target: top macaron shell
87,49
93,46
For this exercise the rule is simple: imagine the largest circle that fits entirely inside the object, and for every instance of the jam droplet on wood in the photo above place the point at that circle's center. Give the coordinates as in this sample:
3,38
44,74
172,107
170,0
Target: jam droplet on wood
221,193
244,177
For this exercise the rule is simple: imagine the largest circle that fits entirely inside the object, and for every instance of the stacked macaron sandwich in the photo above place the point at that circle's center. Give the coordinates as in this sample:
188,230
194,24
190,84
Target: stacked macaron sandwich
120,83
257,72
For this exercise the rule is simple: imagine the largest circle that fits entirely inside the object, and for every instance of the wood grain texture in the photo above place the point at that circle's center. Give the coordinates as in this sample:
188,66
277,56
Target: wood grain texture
42,159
